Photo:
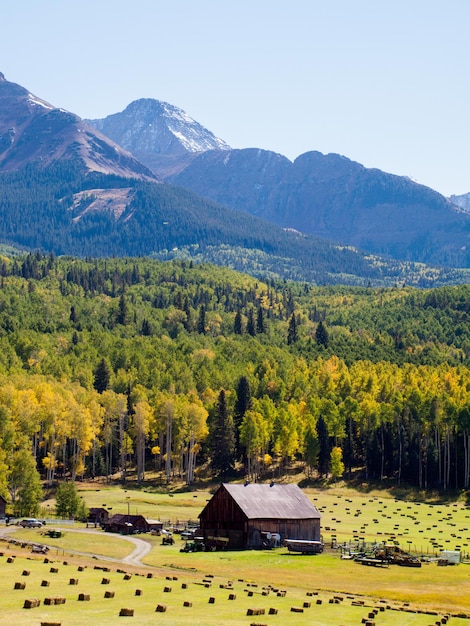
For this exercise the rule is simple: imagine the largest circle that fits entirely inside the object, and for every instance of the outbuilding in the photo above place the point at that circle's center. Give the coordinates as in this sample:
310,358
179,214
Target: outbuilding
126,524
97,516
253,515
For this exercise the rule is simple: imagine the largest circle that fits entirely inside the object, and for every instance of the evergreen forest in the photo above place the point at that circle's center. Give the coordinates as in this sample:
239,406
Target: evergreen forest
118,368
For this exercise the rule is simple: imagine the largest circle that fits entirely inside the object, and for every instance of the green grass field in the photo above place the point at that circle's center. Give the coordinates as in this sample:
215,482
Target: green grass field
347,515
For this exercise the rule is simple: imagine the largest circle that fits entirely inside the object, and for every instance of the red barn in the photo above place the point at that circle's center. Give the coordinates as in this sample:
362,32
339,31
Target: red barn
242,516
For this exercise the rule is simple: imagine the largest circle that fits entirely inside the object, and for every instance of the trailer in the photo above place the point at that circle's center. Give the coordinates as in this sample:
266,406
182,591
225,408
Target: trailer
304,546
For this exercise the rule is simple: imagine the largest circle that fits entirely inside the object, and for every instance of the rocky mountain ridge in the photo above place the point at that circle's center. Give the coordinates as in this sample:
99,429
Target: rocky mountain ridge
33,130
160,135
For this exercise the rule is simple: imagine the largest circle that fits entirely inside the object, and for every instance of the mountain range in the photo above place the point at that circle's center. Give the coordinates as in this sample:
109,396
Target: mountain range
152,181
327,196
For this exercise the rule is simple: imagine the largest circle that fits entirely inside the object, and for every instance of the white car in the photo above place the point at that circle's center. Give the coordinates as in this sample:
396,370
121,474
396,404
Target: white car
30,522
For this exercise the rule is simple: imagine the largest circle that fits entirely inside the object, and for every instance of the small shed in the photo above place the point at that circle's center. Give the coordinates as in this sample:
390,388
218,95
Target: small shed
97,516
3,506
243,516
126,524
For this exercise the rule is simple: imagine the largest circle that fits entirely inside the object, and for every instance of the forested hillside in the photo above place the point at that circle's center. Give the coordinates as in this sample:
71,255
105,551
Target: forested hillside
64,210
111,366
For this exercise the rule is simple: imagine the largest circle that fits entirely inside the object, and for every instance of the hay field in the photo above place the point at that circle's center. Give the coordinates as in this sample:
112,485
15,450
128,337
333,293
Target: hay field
347,516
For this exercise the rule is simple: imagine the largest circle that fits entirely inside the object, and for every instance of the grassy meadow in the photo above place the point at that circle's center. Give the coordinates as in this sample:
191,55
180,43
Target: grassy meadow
257,579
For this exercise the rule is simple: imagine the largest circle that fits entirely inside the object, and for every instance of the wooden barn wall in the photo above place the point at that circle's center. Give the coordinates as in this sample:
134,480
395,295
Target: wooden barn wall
287,529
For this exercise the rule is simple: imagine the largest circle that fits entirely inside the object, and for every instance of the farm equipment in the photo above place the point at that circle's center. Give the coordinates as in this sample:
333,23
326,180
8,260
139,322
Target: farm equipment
39,548
167,540
197,545
388,555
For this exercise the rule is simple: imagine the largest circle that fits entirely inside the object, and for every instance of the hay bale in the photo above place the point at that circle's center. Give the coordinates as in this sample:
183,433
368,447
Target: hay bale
45,583
26,572
10,559
127,576
54,600
232,596
51,624
319,601
307,605
166,589
273,611
54,570
296,609
211,600
187,603
19,586
138,592
184,586
105,581
84,597
126,613
149,575
161,608
80,568
109,594
31,603
73,581
255,611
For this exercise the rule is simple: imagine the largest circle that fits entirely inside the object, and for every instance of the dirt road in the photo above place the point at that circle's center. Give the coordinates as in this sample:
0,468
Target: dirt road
141,547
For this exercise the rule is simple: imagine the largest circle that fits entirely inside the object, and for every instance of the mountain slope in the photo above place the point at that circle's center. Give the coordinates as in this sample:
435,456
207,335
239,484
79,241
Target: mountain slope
158,134
333,197
32,130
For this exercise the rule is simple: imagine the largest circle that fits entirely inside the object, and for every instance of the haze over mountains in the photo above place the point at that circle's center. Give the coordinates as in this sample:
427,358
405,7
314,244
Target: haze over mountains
94,188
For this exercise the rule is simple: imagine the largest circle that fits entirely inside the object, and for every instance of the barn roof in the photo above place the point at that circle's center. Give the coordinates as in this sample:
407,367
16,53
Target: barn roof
122,518
261,501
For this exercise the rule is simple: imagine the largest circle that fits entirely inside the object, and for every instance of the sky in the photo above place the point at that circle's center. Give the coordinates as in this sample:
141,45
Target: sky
382,82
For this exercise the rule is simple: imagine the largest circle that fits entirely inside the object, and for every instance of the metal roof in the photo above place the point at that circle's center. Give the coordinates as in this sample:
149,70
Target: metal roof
262,501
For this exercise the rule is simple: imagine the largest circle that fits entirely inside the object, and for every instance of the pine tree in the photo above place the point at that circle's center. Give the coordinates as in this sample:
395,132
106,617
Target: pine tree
237,324
223,438
260,321
250,325
321,335
188,324
201,322
123,312
292,335
243,404
145,330
101,376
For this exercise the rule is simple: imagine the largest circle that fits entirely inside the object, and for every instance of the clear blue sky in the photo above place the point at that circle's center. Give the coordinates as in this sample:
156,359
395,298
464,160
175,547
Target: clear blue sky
383,82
